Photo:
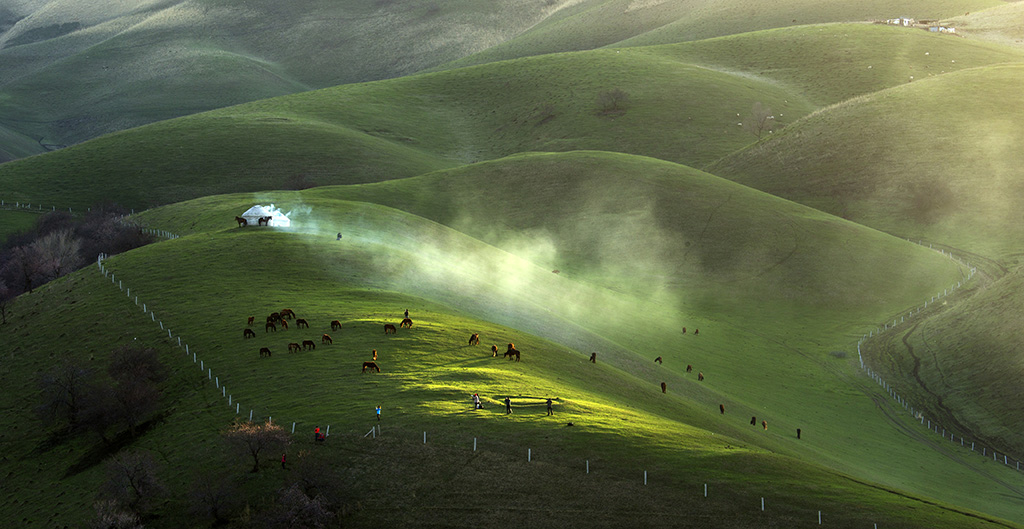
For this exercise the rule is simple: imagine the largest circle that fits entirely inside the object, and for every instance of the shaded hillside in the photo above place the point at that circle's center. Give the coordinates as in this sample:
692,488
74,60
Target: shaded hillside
934,159
404,127
74,71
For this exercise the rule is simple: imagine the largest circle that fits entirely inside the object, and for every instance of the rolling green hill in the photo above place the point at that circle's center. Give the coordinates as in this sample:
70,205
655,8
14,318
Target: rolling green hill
598,23
203,286
933,159
998,24
404,127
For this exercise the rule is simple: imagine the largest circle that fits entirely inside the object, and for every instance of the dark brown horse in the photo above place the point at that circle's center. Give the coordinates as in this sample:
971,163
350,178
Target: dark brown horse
308,344
264,351
700,376
294,347
335,325
275,316
248,333
241,222
658,360
300,322
264,221
494,351
326,338
371,366
663,387
593,358
689,368
721,408
512,351
284,324
390,329
474,339
406,323
271,327
287,313
252,319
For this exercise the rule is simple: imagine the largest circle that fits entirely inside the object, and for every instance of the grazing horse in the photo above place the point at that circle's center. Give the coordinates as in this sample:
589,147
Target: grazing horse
308,344
264,221
474,339
275,316
700,376
494,351
284,324
406,323
374,354
696,332
689,368
335,325
390,329
241,222
721,407
753,421
658,360
285,313
371,366
512,351
264,351
593,358
326,338
300,322
271,326
684,330
765,425
248,333
663,387
293,347
252,319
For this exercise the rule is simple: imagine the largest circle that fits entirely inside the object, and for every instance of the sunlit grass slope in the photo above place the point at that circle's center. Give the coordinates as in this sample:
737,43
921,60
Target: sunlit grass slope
829,63
403,127
767,359
76,70
204,285
999,24
597,23
934,159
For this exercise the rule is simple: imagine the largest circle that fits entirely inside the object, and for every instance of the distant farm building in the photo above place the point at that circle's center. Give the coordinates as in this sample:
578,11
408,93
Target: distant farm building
902,21
941,29
255,213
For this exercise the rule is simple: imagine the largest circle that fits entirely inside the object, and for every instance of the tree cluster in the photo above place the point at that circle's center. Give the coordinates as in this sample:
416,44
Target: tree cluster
60,244
76,399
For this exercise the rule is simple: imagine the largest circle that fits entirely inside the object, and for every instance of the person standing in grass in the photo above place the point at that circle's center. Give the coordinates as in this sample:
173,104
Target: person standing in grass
508,405
378,412
550,411
476,402
283,457
406,313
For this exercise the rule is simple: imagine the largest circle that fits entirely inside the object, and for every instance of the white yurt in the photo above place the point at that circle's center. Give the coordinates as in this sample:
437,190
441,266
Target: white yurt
255,213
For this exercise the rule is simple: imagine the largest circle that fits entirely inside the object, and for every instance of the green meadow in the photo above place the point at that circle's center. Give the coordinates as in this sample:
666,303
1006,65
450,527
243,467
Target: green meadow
497,192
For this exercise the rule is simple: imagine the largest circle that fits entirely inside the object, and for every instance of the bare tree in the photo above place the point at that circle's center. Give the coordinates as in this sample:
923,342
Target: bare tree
65,392
136,395
7,296
760,120
26,265
612,101
253,438
132,481
213,496
57,253
297,509
112,515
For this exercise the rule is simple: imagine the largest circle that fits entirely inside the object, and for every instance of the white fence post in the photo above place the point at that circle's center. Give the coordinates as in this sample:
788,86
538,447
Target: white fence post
474,444
293,428
645,477
705,490
529,455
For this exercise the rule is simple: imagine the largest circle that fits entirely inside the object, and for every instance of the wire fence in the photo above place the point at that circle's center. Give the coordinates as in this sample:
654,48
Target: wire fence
375,431
917,413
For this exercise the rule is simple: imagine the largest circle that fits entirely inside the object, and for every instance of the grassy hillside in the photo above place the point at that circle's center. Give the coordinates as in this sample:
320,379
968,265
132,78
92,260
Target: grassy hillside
932,159
14,145
76,71
1000,24
598,23
965,364
202,286
830,63
403,127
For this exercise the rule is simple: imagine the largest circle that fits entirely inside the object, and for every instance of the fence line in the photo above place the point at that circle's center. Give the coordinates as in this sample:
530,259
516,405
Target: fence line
916,413
375,431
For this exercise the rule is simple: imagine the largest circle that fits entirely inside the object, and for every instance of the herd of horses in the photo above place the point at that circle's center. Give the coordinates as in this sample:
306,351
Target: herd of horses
281,318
